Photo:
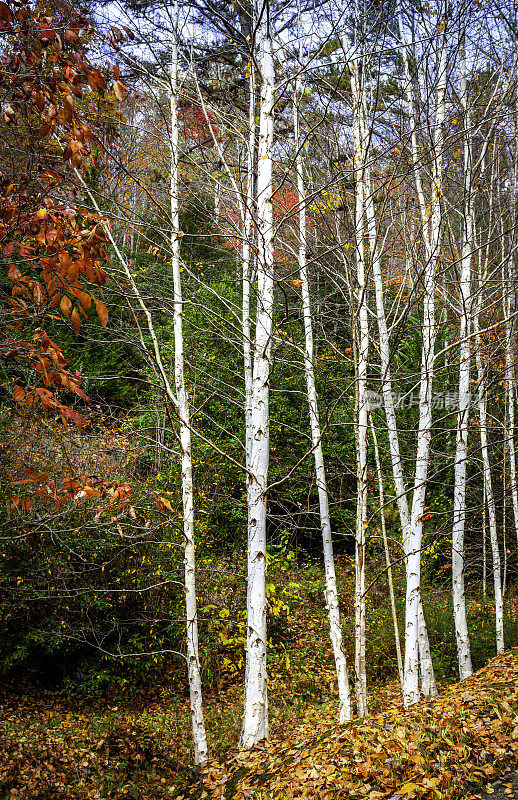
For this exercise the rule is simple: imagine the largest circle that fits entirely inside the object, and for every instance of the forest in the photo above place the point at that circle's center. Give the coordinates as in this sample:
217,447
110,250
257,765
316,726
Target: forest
258,390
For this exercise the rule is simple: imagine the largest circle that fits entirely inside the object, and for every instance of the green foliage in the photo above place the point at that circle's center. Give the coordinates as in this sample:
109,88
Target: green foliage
91,606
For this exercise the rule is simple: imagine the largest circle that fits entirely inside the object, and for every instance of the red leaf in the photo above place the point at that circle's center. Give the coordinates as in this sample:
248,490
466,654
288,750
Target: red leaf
19,394
47,37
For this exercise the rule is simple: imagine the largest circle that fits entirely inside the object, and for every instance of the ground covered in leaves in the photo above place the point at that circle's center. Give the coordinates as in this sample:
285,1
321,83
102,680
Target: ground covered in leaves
446,747
454,746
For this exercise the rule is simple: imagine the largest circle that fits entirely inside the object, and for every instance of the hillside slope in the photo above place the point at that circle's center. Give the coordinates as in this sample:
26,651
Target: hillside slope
445,747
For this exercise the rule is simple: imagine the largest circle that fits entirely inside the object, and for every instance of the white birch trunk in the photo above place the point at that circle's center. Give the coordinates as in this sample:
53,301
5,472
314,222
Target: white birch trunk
510,388
461,452
331,593
423,646
414,145
193,664
414,623
361,428
180,404
388,561
511,400
427,672
484,547
255,716
248,209
194,676
428,684
488,485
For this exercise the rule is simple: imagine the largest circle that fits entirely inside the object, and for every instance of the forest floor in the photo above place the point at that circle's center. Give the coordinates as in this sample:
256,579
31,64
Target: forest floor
138,747
457,745
451,746
503,788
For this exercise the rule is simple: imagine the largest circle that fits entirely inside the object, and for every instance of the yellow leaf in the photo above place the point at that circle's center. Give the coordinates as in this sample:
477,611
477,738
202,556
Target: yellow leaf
408,789
167,504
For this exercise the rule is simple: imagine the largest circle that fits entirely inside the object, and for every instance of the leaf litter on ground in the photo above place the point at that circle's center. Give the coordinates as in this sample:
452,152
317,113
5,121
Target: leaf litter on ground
444,747
452,746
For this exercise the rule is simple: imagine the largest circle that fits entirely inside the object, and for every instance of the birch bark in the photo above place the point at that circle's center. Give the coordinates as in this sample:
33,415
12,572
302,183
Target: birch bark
510,387
414,620
488,483
428,678
386,549
461,452
193,664
180,404
247,213
255,716
422,649
361,429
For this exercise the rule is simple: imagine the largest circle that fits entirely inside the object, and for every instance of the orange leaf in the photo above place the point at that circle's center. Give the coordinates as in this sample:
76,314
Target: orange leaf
102,312
66,305
75,319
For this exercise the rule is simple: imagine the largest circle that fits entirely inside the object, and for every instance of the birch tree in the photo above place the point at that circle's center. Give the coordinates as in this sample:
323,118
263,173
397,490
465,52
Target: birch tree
357,76
255,716
414,618
486,464
461,452
193,664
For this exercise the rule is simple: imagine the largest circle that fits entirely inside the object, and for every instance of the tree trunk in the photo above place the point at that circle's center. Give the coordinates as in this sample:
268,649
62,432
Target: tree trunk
488,484
388,562
255,716
414,623
461,452
361,427
195,687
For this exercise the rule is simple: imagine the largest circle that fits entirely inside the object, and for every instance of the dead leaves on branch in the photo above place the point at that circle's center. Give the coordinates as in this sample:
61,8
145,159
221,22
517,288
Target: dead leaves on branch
60,251
73,490
45,358
438,750
53,254
46,69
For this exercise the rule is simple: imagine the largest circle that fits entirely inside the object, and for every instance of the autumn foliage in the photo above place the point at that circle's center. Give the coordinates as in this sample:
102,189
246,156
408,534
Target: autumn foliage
53,250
